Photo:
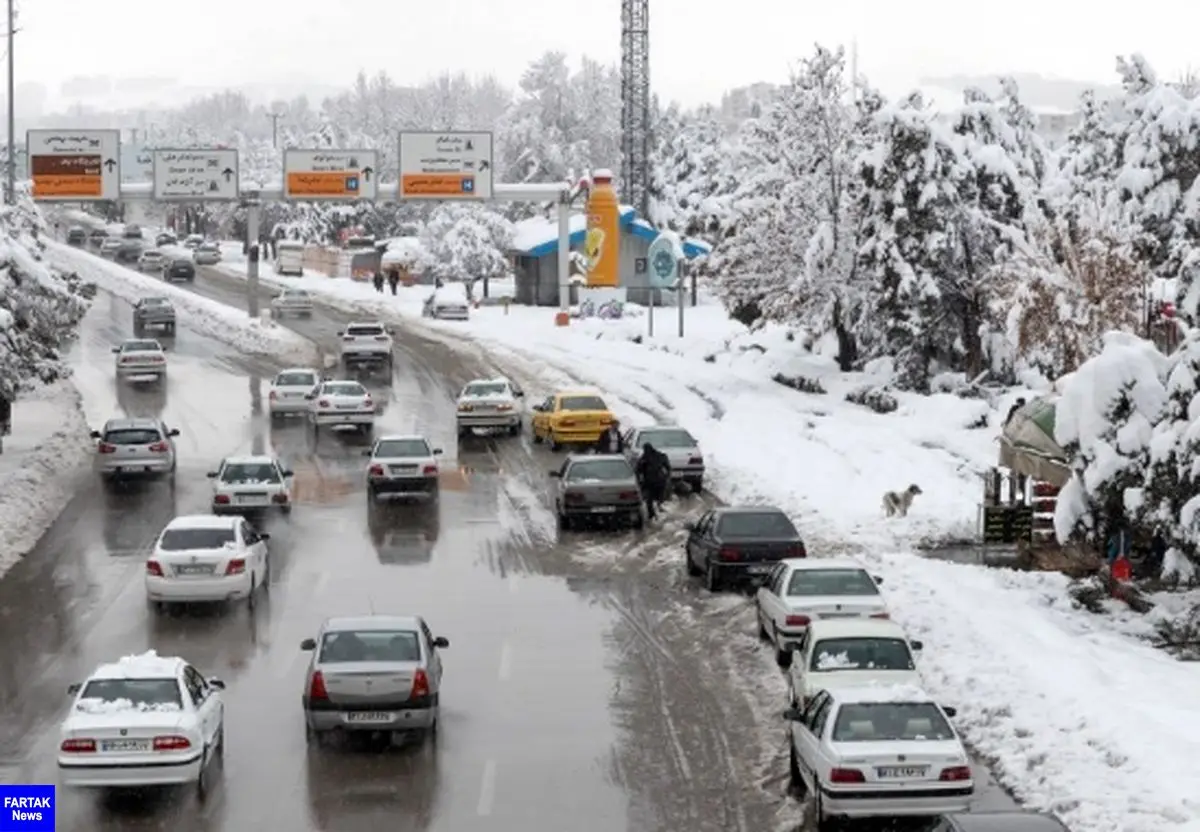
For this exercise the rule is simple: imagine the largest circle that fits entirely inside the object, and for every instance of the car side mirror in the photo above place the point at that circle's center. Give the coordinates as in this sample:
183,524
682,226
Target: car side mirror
116,350
556,474
367,453
441,642
793,715
289,473
308,644
520,394
216,683
264,536
437,451
917,645
95,434
950,712
877,579
212,475
74,689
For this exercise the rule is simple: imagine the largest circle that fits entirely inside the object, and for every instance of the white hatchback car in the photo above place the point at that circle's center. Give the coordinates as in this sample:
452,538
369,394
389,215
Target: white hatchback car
207,558
289,389
251,484
140,359
491,404
878,752
857,651
799,591
296,302
140,721
341,404
368,343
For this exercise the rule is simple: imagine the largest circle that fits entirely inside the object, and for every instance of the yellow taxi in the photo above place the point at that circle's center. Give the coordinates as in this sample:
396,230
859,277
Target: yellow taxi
571,417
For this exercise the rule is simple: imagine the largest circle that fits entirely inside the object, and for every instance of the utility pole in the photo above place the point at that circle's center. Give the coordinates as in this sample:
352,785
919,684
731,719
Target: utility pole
274,124
10,187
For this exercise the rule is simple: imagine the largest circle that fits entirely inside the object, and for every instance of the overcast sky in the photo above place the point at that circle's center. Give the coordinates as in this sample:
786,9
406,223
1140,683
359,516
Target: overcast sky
699,47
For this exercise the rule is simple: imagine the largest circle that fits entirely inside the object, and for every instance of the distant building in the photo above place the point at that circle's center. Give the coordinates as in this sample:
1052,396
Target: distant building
535,257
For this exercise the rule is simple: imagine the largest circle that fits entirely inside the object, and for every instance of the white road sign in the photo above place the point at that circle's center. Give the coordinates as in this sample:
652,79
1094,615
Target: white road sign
137,164
339,175
445,166
74,165
199,174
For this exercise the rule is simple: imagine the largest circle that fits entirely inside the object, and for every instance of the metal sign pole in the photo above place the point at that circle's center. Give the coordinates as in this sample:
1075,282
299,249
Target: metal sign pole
650,317
679,302
252,221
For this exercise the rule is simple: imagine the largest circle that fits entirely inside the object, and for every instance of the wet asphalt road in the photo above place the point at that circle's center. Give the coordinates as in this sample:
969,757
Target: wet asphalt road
589,686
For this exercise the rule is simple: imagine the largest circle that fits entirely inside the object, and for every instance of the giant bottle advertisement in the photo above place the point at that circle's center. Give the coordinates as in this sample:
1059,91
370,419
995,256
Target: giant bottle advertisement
602,245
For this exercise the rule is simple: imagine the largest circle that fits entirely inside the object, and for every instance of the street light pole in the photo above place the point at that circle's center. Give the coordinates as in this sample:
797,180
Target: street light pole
274,124
10,188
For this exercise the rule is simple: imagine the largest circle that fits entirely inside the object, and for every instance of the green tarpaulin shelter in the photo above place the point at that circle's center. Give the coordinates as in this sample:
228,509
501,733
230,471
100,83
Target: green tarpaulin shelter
1027,444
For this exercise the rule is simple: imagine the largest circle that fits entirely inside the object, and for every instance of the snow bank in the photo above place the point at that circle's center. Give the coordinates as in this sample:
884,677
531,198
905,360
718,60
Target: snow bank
49,445
216,320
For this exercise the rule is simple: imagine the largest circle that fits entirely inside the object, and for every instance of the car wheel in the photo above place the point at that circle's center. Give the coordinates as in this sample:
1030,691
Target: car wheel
221,743
697,485
251,601
564,522
692,569
203,784
712,579
795,779
783,658
537,437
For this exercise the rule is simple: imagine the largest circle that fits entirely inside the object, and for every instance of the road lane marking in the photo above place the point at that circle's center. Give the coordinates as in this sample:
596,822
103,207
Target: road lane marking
505,662
487,791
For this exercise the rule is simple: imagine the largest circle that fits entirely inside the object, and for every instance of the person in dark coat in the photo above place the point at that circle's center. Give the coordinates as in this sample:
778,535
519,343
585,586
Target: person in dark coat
393,279
1012,411
378,281
611,441
5,418
654,473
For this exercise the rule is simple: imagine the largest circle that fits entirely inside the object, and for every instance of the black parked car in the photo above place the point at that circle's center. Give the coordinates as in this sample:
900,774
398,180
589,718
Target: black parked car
180,269
130,251
77,236
738,545
165,238
97,237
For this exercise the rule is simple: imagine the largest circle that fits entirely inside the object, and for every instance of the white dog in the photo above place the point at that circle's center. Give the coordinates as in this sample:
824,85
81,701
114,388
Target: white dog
897,503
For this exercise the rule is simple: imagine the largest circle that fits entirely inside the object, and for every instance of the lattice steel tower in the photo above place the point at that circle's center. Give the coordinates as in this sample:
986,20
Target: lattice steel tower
635,104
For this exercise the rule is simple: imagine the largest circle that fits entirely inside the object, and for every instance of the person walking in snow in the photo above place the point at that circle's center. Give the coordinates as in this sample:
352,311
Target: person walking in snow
654,473
393,279
378,281
5,418
611,441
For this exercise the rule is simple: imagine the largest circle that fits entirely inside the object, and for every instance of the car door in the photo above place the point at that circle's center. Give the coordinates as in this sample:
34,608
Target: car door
695,535
806,735
541,418
435,658
256,547
206,701
768,596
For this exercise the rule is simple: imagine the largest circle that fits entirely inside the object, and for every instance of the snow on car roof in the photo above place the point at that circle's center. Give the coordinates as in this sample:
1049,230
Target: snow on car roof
855,627
204,521
866,694
249,459
148,665
298,370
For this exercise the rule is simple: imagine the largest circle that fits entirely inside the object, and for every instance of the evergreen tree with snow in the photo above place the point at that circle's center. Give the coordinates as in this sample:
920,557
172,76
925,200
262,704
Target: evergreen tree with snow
463,242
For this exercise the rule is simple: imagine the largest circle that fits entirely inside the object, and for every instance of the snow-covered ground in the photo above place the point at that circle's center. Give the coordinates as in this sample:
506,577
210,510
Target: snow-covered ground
1078,715
48,446
228,325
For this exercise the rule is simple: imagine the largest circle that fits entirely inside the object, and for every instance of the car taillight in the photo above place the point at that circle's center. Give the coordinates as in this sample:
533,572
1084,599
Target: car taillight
573,497
846,775
797,550
347,338
956,773
153,567
279,498
172,742
126,360
323,403
160,447
78,746
273,396
881,615
380,337
316,687
237,566
420,686
221,499
429,470
375,471
695,460
797,621
627,495
729,553
106,448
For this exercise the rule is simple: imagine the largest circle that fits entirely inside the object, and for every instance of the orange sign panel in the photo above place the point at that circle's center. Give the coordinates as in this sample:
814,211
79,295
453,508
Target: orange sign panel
324,183
437,184
67,176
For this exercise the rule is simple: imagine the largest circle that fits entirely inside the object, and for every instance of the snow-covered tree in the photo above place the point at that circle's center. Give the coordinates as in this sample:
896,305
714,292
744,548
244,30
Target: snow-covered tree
692,176
467,243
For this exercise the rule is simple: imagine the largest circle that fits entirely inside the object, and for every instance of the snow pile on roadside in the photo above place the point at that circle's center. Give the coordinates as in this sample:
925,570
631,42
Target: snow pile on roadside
49,445
260,337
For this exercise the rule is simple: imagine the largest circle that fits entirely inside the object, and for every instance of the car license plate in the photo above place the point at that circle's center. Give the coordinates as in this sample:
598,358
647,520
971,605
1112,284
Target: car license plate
603,509
194,569
760,568
901,772
244,499
125,745
370,717
347,406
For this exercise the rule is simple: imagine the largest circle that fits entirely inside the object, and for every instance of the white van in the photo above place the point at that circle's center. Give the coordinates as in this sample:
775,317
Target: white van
289,257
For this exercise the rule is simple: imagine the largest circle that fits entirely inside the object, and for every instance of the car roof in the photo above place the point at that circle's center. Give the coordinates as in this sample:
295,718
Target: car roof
148,665
299,370
1006,822
343,381
587,457
364,323
723,510
204,521
249,459
816,564
495,380
131,423
401,437
855,628
868,694
372,622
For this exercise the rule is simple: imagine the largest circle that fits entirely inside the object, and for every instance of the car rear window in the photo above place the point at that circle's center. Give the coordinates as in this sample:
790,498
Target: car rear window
402,447
831,582
600,469
250,472
364,330
864,653
181,264
141,346
890,721
491,388
139,694
756,524
345,388
295,294
132,436
582,403
156,302
370,646
181,540
667,438
295,380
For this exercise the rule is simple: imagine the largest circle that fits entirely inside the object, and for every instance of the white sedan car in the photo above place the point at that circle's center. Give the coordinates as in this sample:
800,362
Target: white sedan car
251,484
341,404
143,721
296,302
448,302
878,752
152,260
857,651
799,591
140,359
207,558
403,467
492,404
289,390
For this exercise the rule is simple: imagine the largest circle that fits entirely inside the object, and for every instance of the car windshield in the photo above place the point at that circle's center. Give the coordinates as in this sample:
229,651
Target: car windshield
490,388
364,330
182,540
884,721
141,346
132,436
678,438
391,448
831,582
870,653
295,380
600,469
344,388
756,524
582,403
295,294
243,473
156,302
130,694
370,646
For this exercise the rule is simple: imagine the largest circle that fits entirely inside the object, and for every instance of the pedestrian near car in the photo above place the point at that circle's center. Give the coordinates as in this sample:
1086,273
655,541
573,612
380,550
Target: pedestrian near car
654,473
611,441
393,280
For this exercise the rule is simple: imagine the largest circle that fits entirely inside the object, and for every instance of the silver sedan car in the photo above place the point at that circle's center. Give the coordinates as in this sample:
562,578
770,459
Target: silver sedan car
597,487
376,673
681,448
